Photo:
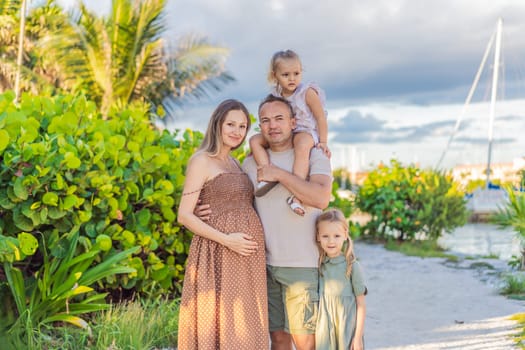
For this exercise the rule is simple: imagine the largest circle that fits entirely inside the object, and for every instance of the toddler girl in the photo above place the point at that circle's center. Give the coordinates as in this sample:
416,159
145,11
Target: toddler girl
311,130
342,291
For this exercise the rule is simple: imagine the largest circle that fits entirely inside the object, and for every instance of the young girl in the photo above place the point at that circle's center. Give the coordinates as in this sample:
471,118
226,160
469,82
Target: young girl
311,130
342,291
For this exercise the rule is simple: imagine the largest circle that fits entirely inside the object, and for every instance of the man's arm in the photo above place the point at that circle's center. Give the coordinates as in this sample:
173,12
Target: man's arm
314,192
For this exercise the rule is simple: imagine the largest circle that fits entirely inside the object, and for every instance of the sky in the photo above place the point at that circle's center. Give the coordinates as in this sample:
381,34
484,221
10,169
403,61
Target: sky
396,72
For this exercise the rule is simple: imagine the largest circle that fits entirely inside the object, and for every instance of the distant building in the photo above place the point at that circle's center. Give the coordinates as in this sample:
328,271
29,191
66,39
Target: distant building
502,172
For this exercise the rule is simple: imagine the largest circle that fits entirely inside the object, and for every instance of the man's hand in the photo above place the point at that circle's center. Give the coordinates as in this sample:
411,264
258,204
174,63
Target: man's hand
203,211
268,173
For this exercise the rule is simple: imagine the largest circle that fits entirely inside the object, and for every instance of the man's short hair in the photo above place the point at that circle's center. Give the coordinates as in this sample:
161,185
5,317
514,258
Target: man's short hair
272,98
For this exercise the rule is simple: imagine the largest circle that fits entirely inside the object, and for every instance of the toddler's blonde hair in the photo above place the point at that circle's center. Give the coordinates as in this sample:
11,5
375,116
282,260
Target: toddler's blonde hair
276,59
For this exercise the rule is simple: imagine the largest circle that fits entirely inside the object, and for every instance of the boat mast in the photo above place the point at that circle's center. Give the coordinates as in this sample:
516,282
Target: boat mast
469,98
494,93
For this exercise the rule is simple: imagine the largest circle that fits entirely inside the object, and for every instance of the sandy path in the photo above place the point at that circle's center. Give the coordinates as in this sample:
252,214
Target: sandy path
416,303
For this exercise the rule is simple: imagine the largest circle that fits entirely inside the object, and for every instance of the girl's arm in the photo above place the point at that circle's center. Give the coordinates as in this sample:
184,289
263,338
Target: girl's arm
357,342
197,173
314,103
258,147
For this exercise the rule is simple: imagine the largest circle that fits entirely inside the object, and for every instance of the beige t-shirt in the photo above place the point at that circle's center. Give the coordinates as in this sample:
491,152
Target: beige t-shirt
290,238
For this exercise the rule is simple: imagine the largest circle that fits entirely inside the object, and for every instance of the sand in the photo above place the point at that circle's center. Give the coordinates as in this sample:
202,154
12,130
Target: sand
420,303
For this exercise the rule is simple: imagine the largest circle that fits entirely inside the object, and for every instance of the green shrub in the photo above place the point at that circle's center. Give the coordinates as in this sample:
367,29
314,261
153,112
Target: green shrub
513,215
65,167
409,203
60,290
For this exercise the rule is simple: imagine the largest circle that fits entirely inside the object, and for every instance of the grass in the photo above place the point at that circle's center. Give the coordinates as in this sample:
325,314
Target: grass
491,256
140,325
424,249
520,337
514,286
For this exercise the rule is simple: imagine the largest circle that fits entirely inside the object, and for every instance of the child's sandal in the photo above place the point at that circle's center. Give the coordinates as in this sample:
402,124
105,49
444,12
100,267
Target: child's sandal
296,207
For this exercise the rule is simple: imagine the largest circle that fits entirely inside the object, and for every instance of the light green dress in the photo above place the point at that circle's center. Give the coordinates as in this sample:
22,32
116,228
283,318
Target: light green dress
337,305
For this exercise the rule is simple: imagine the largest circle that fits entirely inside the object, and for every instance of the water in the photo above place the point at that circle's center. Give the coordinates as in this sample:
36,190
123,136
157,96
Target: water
478,239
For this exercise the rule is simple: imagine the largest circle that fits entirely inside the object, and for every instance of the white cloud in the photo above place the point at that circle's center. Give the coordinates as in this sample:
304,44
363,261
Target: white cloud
407,63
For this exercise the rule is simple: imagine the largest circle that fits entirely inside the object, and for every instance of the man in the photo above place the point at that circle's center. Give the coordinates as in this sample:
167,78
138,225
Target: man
291,250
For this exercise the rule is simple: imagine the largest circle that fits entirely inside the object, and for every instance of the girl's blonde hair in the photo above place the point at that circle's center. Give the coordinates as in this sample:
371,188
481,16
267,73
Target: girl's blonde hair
337,216
277,58
212,142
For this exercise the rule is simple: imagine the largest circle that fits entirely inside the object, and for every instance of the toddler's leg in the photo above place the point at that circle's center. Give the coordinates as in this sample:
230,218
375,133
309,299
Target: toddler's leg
258,146
303,143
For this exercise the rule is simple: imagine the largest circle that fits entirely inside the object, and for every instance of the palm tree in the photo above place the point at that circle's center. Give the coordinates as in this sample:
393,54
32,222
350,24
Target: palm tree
122,58
35,76
9,10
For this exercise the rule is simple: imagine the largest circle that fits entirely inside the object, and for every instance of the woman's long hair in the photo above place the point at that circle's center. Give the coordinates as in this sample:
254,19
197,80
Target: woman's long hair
212,142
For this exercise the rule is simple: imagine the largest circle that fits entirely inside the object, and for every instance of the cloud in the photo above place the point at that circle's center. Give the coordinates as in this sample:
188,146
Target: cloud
357,128
418,57
387,49
483,140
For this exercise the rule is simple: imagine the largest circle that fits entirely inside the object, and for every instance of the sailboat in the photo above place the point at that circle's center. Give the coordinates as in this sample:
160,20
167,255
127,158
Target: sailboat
491,198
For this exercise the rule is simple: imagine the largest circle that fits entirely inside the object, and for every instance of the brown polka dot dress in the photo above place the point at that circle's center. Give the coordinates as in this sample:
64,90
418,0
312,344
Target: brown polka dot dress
224,303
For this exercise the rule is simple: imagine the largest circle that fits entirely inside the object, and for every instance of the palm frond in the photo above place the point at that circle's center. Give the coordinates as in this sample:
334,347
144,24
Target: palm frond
10,7
30,80
123,57
194,68
138,41
513,214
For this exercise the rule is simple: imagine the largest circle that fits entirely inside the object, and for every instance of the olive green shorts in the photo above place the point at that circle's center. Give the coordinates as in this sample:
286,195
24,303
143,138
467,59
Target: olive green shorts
293,299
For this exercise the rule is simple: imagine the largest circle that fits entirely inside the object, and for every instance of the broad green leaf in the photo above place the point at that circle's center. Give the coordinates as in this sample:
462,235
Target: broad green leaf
133,146
22,222
123,159
39,149
28,243
43,214
19,188
168,214
6,203
84,216
161,159
4,140
59,182
90,230
50,198
117,142
104,242
160,274
165,186
28,134
55,213
128,236
70,201
71,160
144,217
72,189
